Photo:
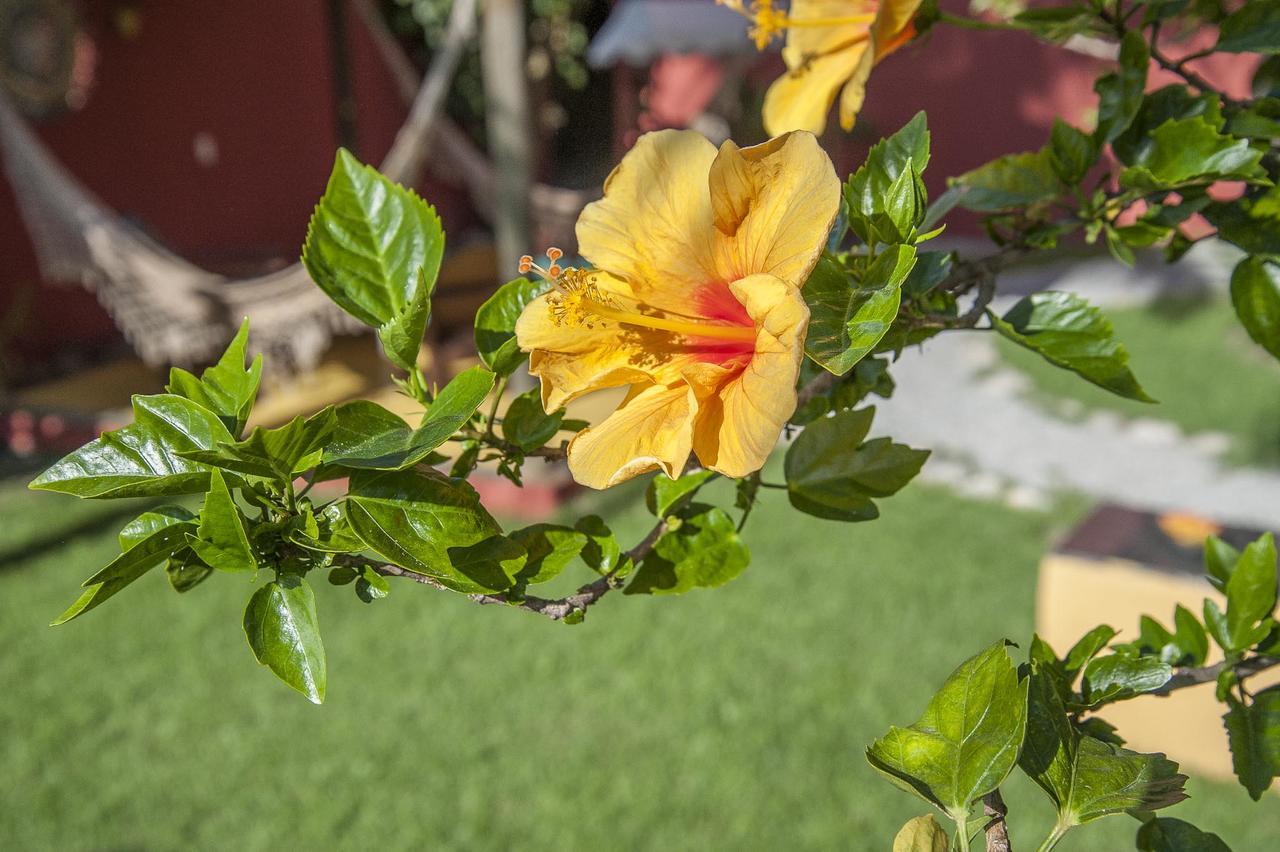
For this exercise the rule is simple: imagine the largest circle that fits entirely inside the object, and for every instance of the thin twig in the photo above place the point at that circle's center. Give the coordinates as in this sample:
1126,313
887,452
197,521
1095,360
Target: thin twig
997,830
1183,678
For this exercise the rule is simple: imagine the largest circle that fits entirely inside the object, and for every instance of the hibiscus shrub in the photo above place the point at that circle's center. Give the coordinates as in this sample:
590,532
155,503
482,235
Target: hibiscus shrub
740,294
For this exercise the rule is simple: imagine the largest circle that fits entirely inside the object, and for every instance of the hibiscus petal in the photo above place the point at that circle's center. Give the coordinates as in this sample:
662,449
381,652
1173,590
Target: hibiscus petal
891,20
652,429
774,205
653,226
855,91
738,426
801,98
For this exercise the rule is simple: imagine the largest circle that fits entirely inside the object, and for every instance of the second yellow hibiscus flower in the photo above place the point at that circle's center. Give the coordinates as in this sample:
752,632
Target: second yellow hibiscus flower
693,303
831,46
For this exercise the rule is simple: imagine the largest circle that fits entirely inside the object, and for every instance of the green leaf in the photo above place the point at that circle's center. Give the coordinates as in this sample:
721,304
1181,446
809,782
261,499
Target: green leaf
1190,639
1220,560
151,522
1251,223
1165,834
1087,648
401,335
846,322
703,552
1171,103
496,324
222,540
143,459
227,388
185,571
434,526
1255,293
1085,777
280,624
366,435
1014,180
526,424
371,586
1070,333
930,269
1120,93
1251,595
665,495
967,741
333,533
1253,733
1254,28
833,474
551,548
138,559
870,192
921,834
279,453
1119,676
1191,149
372,245
1071,152
601,552
1056,23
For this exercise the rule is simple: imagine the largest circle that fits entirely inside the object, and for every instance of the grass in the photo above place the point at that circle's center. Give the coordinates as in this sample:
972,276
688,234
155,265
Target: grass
1193,356
733,718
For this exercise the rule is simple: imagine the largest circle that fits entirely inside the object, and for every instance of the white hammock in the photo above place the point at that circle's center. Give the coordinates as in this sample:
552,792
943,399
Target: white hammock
171,311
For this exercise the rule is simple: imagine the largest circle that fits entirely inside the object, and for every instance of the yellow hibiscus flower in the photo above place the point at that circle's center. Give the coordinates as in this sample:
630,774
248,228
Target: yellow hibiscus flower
693,302
831,47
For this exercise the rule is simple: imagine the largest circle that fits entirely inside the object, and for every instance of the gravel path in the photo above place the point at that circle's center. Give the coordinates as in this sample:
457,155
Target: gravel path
958,398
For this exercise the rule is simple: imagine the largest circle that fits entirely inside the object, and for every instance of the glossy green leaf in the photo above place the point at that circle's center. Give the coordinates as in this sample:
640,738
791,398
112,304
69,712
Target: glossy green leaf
366,435
371,586
1171,103
1165,834
1089,646
665,494
222,539
1252,222
1056,23
1188,150
333,533
832,473
1190,638
1253,28
1251,594
967,741
228,388
930,269
434,526
1072,152
551,548
1116,677
847,319
138,559
703,552
1220,561
151,522
1085,777
1255,293
496,324
143,459
279,453
401,335
1253,734
372,244
602,553
1014,180
284,634
885,195
185,570
921,834
1120,93
526,424
1070,333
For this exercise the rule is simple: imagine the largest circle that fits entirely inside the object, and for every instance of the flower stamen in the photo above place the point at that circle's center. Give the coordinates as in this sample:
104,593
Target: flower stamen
768,23
576,299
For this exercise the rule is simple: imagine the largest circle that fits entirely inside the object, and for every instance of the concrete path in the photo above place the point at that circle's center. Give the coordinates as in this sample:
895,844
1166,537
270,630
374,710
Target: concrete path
958,398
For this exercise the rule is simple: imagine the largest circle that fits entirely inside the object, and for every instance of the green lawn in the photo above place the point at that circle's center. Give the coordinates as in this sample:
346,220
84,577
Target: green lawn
734,718
1192,355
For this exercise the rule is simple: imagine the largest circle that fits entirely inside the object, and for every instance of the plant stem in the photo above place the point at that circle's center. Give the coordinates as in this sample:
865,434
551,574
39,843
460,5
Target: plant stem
962,833
493,410
1059,831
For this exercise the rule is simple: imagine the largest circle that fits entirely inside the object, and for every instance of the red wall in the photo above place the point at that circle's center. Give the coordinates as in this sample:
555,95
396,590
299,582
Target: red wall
255,76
